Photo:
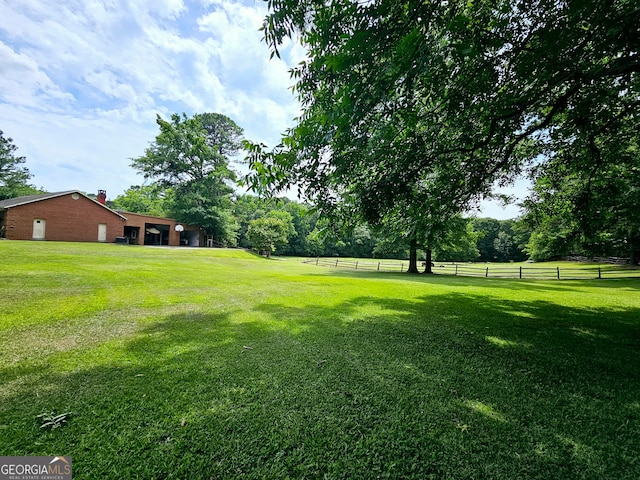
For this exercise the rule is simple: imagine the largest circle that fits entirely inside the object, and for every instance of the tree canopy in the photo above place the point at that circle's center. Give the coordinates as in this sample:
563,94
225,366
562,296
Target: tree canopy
268,233
191,157
146,199
588,207
14,175
412,110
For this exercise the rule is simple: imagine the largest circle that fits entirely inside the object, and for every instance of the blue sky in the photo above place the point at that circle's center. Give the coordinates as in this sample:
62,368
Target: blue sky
81,82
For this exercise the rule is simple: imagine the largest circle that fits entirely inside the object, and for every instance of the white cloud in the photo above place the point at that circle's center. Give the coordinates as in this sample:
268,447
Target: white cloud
163,8
81,81
258,85
23,83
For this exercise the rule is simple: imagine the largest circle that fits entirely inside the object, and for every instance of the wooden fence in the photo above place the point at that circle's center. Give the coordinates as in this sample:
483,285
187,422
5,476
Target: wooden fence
371,265
487,271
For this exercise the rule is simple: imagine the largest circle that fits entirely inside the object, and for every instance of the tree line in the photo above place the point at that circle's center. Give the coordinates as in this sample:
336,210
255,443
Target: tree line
283,226
189,177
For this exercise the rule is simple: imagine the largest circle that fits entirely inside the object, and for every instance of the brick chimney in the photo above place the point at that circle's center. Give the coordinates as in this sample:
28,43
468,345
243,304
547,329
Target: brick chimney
102,197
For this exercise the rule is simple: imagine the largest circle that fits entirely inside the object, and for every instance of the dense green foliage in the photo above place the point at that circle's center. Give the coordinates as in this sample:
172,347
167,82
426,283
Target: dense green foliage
191,157
145,199
412,110
213,363
590,208
14,175
273,230
500,241
310,235
476,239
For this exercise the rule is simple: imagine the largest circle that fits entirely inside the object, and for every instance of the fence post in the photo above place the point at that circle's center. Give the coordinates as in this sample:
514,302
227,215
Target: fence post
402,267
337,260
356,265
378,266
599,273
521,273
486,274
317,260
456,269
558,273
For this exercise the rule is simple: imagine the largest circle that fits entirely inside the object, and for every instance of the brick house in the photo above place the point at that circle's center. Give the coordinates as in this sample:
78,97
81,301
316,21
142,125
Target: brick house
71,216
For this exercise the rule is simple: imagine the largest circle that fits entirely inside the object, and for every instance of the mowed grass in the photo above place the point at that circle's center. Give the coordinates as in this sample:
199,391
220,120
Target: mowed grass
208,363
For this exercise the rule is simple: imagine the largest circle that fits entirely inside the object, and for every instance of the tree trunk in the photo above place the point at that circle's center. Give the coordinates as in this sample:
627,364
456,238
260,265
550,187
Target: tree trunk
413,256
634,251
428,263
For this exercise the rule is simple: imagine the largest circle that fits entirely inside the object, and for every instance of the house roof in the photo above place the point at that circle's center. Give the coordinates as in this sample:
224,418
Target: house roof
152,217
15,202
132,216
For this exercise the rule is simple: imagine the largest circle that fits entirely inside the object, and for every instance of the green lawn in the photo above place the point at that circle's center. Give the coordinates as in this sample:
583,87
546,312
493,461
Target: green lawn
208,363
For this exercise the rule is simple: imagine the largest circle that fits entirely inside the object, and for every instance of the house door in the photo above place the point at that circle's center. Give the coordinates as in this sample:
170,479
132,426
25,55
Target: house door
38,229
102,232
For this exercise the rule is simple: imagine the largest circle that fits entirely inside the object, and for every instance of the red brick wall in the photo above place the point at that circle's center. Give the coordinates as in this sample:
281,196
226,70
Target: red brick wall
67,220
138,220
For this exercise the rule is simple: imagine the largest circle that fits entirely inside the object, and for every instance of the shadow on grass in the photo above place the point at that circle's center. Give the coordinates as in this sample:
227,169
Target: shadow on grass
455,386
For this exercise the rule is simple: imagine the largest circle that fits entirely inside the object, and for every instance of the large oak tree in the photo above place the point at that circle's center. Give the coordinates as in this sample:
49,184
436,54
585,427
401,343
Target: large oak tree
191,157
412,110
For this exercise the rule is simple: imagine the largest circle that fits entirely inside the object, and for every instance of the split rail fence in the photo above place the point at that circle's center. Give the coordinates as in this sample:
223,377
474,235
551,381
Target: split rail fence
488,271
